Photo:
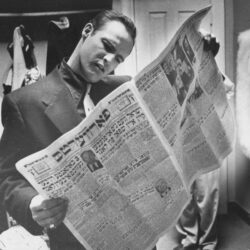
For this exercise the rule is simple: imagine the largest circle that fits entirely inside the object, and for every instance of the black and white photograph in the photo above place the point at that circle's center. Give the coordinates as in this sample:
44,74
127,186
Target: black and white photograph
69,154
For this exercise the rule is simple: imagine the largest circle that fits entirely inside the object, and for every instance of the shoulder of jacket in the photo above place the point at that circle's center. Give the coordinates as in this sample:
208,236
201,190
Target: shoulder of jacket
44,86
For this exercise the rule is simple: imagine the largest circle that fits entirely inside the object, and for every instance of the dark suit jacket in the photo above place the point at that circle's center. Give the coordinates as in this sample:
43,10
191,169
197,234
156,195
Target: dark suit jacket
33,117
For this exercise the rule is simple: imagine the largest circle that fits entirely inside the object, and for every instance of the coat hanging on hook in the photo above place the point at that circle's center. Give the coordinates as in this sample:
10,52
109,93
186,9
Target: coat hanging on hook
22,61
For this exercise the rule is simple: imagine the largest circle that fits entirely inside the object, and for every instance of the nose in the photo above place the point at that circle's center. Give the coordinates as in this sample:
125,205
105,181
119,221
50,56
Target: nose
109,59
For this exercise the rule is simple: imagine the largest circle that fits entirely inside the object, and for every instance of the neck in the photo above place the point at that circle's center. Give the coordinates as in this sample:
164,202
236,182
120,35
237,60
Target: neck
74,60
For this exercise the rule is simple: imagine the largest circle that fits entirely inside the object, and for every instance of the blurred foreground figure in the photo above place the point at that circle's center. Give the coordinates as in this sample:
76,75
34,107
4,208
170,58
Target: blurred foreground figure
243,92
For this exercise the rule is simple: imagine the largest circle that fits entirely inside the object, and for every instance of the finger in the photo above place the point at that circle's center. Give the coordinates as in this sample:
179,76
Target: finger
46,214
212,45
56,220
43,208
208,37
51,211
40,203
207,43
58,209
55,202
54,216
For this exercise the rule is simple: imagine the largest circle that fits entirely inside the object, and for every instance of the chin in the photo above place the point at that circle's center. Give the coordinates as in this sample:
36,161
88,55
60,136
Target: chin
94,76
94,79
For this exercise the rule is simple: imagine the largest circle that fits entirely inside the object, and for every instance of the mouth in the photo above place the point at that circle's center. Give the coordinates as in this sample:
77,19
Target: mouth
99,67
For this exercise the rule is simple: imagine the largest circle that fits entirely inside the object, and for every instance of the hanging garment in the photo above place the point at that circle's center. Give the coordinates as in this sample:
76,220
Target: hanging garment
32,71
28,51
6,78
7,75
19,66
62,39
22,62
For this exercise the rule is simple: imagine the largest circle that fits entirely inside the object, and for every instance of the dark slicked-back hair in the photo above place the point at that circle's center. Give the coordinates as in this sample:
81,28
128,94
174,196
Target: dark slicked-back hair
111,15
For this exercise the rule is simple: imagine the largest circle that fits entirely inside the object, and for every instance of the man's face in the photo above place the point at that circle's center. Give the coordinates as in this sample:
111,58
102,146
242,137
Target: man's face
103,50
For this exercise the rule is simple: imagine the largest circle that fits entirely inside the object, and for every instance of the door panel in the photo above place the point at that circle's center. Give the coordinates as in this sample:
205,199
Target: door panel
157,21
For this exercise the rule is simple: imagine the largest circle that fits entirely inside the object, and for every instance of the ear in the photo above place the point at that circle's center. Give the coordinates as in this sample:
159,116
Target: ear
87,30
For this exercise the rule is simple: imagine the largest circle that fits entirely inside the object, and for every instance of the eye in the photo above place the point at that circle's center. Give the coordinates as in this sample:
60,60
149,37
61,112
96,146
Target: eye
119,59
109,47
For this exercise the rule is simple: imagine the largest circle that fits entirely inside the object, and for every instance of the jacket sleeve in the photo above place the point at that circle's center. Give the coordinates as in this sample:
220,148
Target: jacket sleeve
16,191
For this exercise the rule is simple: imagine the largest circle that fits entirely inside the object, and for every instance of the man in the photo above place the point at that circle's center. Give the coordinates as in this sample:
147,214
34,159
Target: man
36,115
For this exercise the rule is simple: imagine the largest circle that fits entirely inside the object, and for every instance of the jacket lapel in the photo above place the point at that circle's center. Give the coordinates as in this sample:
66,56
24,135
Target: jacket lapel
61,109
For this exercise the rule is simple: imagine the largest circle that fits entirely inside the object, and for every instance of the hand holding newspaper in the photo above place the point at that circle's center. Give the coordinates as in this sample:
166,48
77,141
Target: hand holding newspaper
127,168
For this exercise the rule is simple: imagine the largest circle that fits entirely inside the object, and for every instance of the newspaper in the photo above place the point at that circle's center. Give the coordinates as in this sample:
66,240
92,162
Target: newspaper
127,168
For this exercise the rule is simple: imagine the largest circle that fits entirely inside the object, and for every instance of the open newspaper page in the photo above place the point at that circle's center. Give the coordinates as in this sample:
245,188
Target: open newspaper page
184,91
122,167
123,187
